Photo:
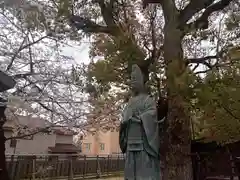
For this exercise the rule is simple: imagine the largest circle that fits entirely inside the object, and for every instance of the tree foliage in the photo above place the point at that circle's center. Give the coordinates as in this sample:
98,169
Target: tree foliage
123,33
218,104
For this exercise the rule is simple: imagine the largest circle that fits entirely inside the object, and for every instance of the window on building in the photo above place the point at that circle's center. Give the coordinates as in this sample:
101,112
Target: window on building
13,143
87,146
102,146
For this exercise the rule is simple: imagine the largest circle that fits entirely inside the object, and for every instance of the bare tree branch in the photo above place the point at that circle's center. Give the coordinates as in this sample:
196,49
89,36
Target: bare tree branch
22,47
230,113
29,134
16,53
45,129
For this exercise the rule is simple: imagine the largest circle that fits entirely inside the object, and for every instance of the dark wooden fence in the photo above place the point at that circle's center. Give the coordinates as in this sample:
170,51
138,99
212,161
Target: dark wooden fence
31,167
215,166
215,162
210,161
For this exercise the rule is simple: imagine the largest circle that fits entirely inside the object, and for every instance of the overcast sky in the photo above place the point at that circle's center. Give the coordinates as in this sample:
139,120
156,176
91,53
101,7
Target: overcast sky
79,53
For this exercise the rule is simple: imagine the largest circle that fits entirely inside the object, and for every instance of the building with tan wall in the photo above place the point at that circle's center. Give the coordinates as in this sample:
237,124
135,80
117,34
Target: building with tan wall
101,143
58,141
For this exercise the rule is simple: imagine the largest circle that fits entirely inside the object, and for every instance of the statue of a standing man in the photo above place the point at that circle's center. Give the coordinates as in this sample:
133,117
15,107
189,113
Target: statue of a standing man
139,136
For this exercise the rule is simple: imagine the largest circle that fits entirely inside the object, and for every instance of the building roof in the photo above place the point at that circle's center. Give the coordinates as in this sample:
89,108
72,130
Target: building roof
64,148
9,129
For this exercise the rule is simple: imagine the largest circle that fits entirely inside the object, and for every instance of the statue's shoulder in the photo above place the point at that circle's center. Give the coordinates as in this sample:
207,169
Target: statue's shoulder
150,101
136,100
147,97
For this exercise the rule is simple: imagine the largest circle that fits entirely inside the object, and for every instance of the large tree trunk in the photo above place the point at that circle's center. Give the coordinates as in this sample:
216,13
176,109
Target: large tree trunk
178,161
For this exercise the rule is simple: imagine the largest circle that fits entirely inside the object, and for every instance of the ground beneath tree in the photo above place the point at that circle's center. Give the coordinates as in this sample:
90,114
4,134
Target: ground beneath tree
112,178
222,178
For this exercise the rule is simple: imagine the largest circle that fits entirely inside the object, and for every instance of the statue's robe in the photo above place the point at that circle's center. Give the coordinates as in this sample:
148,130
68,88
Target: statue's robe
139,139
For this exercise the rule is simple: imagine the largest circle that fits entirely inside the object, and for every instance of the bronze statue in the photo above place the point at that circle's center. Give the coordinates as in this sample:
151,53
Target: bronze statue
139,133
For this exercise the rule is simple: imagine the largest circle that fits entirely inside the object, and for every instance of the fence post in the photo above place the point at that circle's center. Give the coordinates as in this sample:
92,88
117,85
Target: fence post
98,170
118,169
84,166
18,168
199,164
33,168
232,165
13,166
70,169
108,165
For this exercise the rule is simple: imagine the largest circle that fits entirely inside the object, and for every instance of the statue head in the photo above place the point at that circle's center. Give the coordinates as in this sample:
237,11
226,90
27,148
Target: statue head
137,81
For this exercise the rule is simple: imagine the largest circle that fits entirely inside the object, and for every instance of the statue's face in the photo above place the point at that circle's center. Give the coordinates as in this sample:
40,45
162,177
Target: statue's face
134,91
136,82
135,88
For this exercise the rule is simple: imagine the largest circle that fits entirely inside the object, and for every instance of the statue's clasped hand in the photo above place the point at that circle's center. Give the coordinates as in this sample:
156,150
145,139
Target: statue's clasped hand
135,118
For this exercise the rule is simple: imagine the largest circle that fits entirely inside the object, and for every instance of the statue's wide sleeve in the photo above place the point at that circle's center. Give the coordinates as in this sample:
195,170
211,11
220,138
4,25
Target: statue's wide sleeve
150,126
123,137
123,130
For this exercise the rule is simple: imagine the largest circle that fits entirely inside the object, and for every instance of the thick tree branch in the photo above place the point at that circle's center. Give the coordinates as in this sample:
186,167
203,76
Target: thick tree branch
168,6
153,35
107,12
145,3
192,8
24,75
202,60
202,22
216,65
31,64
169,10
89,26
112,28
